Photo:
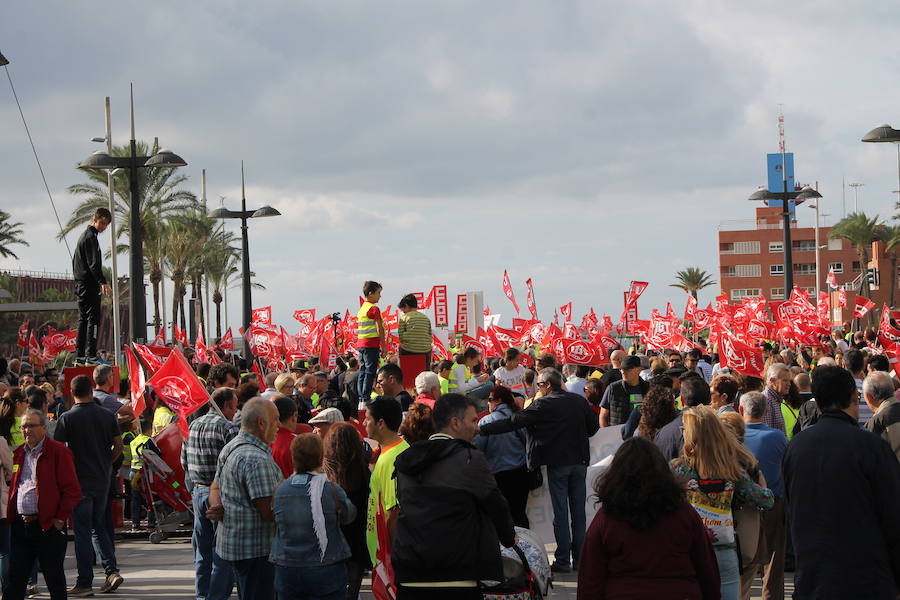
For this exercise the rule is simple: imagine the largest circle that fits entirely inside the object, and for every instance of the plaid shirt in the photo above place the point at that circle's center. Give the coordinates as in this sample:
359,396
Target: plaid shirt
773,418
199,453
246,472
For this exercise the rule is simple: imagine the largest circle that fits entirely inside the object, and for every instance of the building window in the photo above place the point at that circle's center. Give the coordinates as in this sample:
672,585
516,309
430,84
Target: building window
739,247
804,268
811,292
804,245
740,294
776,247
741,271
835,244
776,269
856,267
776,293
836,267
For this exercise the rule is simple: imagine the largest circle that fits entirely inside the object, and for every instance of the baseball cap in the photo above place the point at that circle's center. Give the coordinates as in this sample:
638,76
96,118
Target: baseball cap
631,362
329,415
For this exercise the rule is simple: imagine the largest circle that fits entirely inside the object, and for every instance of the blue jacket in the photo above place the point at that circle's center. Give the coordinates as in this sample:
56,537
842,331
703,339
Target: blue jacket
505,451
768,446
295,543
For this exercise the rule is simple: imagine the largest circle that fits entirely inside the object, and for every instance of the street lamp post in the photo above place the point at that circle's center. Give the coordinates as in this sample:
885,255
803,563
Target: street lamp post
243,215
137,301
818,199
886,133
856,187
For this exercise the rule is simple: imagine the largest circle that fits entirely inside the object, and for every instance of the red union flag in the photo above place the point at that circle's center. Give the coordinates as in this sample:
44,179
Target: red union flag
842,297
634,292
566,310
470,342
160,340
135,382
462,313
690,308
152,361
580,352
740,357
507,289
23,335
227,341
439,349
441,314
532,308
861,307
429,299
180,336
261,316
34,349
176,383
831,280
306,316
264,342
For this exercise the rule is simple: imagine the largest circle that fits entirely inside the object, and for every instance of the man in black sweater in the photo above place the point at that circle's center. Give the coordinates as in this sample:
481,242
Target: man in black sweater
89,282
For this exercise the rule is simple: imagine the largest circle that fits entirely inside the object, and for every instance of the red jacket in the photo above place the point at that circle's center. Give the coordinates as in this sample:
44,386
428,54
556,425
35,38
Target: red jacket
57,483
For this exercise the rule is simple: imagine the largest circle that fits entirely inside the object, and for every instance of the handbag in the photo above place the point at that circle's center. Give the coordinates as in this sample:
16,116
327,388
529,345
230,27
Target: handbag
748,533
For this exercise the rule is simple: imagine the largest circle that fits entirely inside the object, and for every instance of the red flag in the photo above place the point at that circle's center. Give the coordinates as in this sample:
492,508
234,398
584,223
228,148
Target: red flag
181,336
227,341
152,361
842,297
201,354
264,343
177,384
862,306
532,308
580,352
327,353
470,342
439,349
306,316
135,382
507,289
606,323
742,358
254,368
888,335
570,332
261,316
822,310
690,308
441,314
831,280
566,310
23,335
426,304
160,340
634,292
34,349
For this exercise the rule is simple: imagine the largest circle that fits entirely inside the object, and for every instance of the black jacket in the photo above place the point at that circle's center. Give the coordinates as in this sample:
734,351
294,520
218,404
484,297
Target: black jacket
559,425
452,515
87,262
842,484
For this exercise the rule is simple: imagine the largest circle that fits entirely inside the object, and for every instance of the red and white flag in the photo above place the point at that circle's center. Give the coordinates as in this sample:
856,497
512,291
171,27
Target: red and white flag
153,362
261,316
23,335
227,341
439,349
831,280
507,289
180,335
201,353
566,310
862,306
306,316
634,291
532,308
160,340
690,308
136,382
842,297
580,352
34,349
742,358
177,384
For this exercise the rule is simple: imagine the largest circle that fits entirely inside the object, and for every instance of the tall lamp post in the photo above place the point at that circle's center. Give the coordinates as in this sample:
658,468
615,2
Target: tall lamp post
886,133
813,194
137,300
786,198
243,215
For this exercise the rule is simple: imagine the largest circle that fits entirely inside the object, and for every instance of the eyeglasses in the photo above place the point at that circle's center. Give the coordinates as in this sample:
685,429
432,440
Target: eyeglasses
543,383
30,425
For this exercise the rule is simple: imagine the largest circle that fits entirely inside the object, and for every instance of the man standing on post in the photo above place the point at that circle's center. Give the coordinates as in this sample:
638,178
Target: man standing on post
560,424
241,497
199,453
92,434
89,282
447,493
43,491
370,332
841,484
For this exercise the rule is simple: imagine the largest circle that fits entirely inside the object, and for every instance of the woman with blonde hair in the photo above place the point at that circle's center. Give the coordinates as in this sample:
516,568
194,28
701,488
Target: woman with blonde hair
712,469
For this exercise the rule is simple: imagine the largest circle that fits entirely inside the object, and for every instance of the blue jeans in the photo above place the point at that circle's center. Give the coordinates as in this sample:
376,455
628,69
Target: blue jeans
368,365
567,494
312,583
255,578
90,521
729,573
215,578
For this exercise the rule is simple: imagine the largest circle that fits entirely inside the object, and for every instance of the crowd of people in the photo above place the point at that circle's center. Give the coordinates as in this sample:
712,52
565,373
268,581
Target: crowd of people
304,481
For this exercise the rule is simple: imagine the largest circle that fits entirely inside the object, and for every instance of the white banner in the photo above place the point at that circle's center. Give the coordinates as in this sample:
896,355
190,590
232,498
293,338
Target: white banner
603,445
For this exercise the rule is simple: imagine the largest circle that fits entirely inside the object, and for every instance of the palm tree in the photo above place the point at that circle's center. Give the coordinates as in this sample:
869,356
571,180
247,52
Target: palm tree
693,279
160,200
10,234
217,276
860,230
187,234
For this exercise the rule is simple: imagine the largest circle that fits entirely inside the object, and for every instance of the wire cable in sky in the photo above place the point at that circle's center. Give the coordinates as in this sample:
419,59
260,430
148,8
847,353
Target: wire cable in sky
38,160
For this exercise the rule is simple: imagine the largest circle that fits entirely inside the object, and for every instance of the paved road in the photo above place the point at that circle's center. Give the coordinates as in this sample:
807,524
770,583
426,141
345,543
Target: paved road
165,571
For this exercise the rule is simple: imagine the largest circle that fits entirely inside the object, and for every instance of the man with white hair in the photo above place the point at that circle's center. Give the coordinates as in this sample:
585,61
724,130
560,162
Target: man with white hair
428,388
768,446
878,390
778,384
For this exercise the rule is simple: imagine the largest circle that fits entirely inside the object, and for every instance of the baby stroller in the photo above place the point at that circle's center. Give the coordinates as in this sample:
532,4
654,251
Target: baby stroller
526,570
163,486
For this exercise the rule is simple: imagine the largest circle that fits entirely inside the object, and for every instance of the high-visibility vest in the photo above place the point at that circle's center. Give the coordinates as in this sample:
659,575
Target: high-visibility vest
451,385
365,327
790,419
136,445
445,384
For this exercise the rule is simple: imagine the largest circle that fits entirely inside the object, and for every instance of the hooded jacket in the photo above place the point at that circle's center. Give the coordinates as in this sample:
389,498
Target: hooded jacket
452,515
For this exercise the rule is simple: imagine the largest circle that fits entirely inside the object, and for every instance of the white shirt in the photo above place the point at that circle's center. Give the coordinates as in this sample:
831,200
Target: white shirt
510,378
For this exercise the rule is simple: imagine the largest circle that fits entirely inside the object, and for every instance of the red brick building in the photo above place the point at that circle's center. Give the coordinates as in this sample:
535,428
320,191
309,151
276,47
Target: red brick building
751,261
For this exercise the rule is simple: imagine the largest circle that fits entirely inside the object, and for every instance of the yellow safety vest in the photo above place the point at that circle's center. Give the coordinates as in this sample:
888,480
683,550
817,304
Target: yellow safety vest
365,327
445,384
136,445
451,383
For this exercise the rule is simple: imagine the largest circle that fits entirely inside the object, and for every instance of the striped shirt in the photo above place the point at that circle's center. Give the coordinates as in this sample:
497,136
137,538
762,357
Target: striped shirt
199,453
414,330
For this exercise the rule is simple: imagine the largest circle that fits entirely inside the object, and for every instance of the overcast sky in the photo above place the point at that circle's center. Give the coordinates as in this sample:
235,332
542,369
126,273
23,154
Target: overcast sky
582,144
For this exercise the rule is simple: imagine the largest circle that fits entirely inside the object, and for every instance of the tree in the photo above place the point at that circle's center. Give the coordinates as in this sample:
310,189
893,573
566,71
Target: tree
160,200
10,234
693,279
860,230
891,236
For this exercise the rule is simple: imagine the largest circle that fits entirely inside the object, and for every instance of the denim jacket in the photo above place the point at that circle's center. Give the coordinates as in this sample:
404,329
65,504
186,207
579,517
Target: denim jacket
295,543
504,451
